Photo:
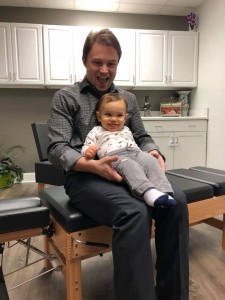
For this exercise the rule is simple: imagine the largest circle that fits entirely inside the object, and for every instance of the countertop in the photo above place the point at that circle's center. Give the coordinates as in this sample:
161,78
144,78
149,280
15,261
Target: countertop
195,114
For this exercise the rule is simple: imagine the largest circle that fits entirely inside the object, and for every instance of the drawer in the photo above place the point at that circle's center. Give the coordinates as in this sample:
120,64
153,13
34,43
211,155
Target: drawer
175,125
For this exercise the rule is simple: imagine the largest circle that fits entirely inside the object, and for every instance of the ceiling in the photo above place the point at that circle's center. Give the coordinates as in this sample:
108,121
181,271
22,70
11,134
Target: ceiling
150,7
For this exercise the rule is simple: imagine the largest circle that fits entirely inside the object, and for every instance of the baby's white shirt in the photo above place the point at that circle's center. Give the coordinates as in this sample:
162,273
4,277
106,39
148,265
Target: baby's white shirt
110,142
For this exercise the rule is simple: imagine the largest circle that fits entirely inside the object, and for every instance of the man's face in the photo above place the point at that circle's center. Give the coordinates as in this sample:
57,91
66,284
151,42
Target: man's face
101,65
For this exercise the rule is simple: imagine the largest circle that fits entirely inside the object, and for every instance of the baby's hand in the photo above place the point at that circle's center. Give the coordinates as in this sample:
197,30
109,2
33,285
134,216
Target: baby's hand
91,152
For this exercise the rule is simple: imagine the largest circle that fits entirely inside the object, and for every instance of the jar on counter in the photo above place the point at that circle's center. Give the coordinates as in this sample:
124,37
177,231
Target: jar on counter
183,96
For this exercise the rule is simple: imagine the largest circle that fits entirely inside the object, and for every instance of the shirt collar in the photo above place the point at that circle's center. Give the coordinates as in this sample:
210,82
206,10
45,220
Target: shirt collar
86,87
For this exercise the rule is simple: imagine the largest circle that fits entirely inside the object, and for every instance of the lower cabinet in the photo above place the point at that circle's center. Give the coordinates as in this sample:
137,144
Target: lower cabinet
182,142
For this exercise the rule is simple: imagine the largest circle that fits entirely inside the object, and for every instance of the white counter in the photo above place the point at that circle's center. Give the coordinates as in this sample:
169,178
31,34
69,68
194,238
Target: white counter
195,114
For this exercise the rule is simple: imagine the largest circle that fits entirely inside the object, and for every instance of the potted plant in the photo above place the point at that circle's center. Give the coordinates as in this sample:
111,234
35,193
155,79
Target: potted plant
9,170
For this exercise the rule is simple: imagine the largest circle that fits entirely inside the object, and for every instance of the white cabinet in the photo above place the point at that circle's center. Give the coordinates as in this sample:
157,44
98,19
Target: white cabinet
58,55
125,76
126,67
151,58
166,58
6,69
182,142
158,59
182,58
21,54
80,34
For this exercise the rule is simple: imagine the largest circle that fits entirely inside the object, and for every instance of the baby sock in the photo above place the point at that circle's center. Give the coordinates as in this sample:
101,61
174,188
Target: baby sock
156,198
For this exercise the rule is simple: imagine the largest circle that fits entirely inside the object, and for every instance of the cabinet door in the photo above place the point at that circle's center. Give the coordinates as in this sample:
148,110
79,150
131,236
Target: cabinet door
165,142
190,149
182,58
80,34
151,58
58,54
27,53
126,67
5,54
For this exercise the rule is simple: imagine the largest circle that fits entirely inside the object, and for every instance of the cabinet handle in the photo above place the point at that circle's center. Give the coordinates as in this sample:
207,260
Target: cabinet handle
176,141
171,142
192,126
159,128
166,79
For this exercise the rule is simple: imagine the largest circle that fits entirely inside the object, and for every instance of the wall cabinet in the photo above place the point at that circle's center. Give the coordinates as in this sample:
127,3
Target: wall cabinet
58,55
163,59
21,54
5,53
125,76
166,58
80,34
183,143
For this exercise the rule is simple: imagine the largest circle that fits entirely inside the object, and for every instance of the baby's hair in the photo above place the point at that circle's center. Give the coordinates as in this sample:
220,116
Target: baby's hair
110,97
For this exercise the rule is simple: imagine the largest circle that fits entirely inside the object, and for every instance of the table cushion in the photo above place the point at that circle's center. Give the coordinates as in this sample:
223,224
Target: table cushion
70,218
208,170
194,191
22,213
215,180
46,173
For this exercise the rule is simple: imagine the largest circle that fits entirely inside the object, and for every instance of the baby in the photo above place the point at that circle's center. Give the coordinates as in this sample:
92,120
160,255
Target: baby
140,170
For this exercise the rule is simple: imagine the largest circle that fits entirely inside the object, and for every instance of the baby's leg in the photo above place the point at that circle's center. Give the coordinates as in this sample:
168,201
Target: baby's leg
140,186
159,195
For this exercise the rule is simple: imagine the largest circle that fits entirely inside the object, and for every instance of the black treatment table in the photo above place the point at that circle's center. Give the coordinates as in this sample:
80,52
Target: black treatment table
75,237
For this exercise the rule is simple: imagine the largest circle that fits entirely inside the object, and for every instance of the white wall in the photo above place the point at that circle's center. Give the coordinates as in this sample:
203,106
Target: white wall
211,85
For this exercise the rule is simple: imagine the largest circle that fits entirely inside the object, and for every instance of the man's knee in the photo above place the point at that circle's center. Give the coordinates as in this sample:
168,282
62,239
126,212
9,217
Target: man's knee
137,214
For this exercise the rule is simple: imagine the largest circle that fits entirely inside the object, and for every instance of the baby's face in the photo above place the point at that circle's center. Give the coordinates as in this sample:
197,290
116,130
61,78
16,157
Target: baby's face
112,115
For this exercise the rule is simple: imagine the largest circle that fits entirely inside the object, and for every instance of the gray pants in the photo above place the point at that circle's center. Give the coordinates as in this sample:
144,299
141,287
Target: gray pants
141,171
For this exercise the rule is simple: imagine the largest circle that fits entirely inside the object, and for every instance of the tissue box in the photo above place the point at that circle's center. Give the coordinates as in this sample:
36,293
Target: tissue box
172,109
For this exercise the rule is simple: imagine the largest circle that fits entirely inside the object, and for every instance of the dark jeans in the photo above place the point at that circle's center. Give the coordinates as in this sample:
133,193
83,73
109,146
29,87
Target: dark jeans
112,204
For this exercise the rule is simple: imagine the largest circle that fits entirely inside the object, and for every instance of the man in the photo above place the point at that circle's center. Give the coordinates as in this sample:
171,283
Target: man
97,190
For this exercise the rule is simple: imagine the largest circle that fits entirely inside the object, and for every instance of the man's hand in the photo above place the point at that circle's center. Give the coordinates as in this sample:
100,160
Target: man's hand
102,167
91,151
156,154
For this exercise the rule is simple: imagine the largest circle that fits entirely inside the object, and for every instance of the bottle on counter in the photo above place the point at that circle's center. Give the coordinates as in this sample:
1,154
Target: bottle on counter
147,107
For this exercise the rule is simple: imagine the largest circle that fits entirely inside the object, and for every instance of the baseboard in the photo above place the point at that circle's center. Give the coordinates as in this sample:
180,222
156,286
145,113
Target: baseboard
28,177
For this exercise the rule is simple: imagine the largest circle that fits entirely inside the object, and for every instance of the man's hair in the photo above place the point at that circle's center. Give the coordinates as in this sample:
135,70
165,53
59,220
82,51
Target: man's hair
110,97
104,37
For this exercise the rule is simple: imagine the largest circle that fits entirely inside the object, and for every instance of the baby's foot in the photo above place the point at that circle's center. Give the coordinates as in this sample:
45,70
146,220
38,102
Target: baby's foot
163,201
156,198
